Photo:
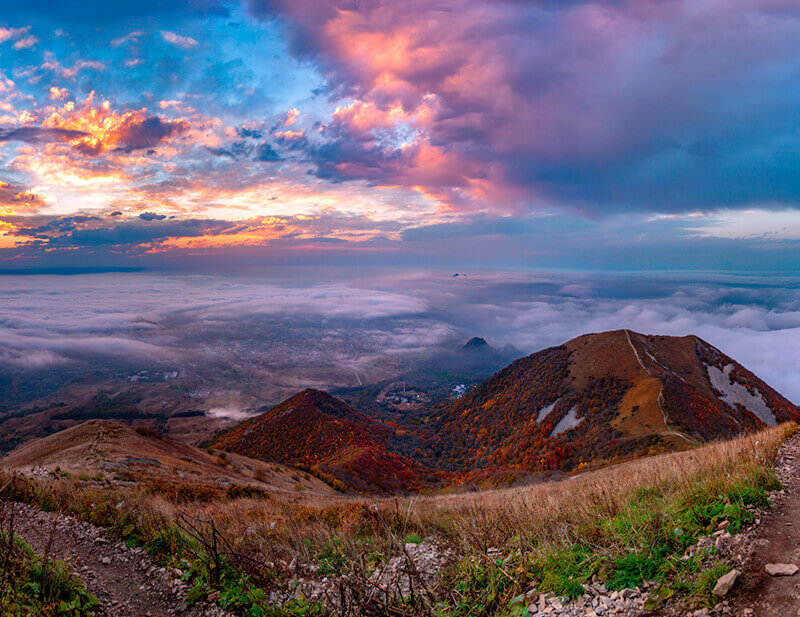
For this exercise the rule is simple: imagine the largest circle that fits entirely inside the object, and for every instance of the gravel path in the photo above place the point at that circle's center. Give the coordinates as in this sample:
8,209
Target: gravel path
777,541
124,580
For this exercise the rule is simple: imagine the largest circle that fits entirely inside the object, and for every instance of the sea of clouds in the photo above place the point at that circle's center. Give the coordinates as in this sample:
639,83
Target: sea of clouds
132,319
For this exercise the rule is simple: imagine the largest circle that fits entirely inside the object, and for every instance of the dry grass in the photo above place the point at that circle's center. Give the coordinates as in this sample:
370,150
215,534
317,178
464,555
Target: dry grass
274,539
546,508
549,508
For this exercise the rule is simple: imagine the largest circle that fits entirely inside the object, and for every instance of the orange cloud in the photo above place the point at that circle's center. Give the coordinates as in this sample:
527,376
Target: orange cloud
108,130
290,135
58,94
15,198
291,116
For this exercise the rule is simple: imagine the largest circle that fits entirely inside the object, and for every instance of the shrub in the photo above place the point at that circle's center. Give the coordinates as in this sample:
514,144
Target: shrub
146,431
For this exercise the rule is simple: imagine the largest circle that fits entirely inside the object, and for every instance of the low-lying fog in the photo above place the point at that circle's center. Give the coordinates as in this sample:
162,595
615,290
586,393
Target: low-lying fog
313,326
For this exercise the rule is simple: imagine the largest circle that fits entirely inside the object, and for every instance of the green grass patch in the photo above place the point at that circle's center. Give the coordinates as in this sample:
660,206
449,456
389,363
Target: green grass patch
31,585
413,538
644,541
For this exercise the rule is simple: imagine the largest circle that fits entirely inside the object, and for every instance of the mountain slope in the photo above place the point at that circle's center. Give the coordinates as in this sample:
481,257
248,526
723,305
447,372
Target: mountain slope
594,400
600,397
100,448
316,431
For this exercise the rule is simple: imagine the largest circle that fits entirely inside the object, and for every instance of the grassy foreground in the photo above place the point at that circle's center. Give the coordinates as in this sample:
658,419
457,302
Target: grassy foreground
259,556
38,586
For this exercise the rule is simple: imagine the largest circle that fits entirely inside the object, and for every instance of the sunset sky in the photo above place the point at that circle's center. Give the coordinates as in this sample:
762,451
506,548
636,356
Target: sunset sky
616,134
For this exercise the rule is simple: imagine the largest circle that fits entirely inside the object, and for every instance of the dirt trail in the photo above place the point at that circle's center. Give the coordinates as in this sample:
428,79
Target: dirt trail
660,398
777,541
124,580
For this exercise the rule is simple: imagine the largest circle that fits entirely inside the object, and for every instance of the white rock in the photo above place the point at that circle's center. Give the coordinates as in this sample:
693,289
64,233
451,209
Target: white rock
725,583
781,569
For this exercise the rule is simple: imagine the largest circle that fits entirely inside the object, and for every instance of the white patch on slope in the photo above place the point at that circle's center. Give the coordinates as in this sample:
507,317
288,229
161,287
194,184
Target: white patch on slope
734,392
286,412
569,421
545,411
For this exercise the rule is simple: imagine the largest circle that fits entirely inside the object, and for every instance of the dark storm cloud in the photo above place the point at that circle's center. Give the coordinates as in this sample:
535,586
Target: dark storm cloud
247,149
37,134
133,234
249,133
149,132
152,216
602,106
62,224
95,231
266,153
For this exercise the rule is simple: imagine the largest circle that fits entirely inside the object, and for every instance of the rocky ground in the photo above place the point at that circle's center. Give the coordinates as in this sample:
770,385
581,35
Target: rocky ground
763,581
125,580
771,585
596,601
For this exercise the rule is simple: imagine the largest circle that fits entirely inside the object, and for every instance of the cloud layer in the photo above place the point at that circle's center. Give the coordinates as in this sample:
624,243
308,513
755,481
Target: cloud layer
337,130
598,105
302,330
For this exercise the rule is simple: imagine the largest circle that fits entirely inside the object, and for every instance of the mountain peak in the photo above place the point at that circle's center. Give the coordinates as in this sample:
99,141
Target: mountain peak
319,432
314,396
602,397
476,342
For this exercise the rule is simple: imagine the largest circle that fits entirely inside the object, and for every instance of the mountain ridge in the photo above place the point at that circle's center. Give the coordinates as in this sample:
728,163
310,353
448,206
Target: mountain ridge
101,449
320,433
596,399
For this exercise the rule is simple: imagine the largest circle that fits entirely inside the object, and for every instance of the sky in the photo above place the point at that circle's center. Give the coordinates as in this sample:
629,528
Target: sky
203,135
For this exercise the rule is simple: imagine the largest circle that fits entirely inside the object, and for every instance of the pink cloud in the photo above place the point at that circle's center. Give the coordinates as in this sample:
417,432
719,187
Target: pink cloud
26,42
51,64
572,103
12,33
186,42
